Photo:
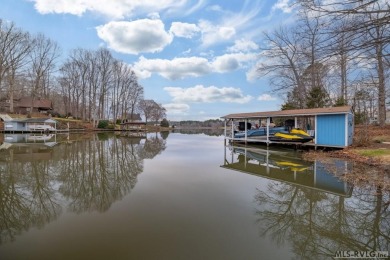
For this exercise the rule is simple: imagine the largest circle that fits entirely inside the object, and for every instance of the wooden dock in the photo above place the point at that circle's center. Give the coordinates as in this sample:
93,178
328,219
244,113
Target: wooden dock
263,140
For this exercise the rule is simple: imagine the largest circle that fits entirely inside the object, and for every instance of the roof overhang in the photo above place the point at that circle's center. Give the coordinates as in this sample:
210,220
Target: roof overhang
291,113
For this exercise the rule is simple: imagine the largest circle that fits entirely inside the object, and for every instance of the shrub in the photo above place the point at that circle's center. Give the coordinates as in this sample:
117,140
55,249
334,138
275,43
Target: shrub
361,138
103,124
164,123
360,118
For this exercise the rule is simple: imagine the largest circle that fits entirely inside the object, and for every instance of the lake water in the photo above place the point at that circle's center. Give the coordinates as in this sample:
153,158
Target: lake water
178,196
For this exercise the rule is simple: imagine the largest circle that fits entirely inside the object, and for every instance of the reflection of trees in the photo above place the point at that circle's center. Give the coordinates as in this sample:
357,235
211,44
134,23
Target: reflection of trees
318,224
152,147
26,196
208,131
90,174
96,173
164,134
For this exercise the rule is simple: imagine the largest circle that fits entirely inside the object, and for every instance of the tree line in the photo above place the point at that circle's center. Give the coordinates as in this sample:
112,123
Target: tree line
210,123
337,53
89,84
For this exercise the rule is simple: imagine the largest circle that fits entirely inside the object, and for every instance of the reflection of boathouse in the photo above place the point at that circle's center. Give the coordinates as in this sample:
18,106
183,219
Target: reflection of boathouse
28,147
284,167
36,142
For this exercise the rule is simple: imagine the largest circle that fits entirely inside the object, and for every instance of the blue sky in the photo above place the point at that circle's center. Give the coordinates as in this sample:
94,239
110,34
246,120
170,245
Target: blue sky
195,57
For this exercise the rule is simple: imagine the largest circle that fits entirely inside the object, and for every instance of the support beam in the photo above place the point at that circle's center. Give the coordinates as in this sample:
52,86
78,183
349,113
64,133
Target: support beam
232,132
268,122
246,130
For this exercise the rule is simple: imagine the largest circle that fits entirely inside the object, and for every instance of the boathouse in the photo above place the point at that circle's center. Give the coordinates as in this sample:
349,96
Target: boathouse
330,127
28,125
133,123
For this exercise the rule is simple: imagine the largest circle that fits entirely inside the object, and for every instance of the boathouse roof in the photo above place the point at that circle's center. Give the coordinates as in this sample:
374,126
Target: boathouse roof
293,112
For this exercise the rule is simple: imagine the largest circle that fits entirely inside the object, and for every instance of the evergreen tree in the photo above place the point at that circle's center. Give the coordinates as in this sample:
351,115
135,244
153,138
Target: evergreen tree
317,97
164,123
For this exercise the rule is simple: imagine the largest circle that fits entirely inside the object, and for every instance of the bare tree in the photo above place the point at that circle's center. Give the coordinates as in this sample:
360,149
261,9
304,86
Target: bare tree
158,113
366,30
282,62
98,86
134,95
148,108
104,61
15,46
126,91
43,56
69,82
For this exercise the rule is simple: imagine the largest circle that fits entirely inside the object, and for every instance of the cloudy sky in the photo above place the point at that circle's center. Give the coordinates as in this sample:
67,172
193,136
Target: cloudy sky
196,57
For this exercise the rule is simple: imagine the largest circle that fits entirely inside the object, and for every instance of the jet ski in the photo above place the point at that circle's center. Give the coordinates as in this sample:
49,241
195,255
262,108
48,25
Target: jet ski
295,135
262,131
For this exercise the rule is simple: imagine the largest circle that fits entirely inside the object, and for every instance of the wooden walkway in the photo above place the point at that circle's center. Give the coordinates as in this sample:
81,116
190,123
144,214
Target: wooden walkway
263,140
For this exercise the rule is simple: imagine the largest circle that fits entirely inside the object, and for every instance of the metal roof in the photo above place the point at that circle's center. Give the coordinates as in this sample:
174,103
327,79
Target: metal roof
34,102
5,117
34,120
291,113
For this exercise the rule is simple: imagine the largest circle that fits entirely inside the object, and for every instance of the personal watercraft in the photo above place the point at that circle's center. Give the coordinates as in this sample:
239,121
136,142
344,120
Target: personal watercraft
295,135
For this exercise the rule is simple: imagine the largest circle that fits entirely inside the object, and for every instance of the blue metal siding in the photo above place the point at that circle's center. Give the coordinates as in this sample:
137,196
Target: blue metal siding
331,130
350,129
330,182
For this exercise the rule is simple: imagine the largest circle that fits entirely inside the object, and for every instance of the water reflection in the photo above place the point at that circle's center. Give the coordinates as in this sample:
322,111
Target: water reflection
286,166
6,140
38,182
310,208
195,131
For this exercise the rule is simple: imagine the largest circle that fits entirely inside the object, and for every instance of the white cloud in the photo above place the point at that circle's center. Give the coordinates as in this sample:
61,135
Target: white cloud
215,8
143,35
252,75
60,6
283,5
185,30
187,52
175,108
266,97
177,68
243,46
225,63
231,62
196,7
180,68
201,94
212,34
117,9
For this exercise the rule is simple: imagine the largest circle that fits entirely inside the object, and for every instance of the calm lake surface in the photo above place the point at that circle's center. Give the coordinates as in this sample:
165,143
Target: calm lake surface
178,196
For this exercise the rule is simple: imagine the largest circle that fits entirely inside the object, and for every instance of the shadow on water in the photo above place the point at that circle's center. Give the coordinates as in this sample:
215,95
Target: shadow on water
38,174
310,208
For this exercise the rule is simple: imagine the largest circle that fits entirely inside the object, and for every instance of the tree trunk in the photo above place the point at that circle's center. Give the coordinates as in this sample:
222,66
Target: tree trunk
381,86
